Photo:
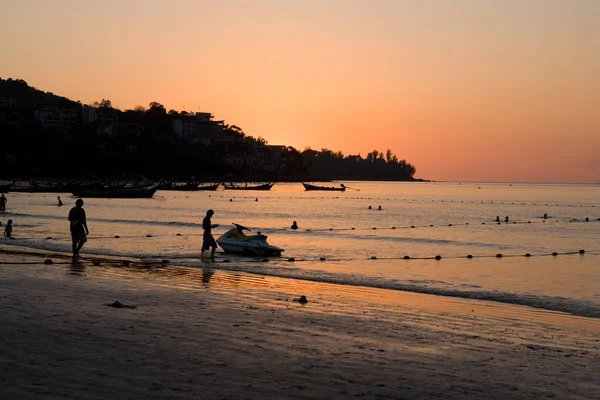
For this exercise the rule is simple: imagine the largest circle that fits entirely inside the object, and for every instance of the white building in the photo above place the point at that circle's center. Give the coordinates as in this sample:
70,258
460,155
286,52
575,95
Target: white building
102,115
198,129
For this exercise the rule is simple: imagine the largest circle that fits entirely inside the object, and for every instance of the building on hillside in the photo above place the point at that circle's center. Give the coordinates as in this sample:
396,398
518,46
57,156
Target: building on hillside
103,116
8,103
124,129
52,118
9,113
198,129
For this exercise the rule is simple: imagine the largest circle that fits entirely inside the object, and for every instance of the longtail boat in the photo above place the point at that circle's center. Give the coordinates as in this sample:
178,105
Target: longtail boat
127,192
308,186
265,186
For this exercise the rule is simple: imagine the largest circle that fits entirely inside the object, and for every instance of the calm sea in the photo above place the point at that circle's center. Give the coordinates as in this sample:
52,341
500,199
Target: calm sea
342,240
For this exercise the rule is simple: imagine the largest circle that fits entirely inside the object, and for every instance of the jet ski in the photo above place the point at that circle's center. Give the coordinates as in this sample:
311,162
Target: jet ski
235,241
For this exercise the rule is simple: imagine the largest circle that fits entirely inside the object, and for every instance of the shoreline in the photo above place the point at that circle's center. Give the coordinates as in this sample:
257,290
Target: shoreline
209,333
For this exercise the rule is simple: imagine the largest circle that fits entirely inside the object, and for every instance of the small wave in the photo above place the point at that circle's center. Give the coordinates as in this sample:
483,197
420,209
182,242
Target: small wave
402,239
111,220
552,303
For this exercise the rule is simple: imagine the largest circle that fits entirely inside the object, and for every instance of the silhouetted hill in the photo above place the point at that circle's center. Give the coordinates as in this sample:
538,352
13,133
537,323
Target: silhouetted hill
48,135
28,97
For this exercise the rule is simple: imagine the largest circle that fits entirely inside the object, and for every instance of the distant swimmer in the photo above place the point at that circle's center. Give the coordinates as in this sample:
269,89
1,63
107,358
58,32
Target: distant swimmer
497,218
379,208
506,219
294,225
369,207
545,216
60,203
3,202
8,228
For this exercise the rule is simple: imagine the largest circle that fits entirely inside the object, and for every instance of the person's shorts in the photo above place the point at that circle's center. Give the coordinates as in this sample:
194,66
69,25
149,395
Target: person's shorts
209,241
78,234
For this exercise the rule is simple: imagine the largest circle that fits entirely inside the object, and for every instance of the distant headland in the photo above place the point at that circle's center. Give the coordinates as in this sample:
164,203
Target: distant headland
45,136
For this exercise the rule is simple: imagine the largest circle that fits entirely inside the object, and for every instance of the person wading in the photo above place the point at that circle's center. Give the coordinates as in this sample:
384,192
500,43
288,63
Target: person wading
79,228
208,239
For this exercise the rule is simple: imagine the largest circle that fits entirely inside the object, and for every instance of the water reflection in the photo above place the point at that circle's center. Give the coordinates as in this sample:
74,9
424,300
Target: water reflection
207,274
76,268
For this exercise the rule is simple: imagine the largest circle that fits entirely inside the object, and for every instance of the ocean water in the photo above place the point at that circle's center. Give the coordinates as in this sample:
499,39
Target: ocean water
342,241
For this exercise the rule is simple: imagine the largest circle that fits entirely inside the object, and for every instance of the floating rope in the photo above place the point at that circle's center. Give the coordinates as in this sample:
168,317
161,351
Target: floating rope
271,230
97,261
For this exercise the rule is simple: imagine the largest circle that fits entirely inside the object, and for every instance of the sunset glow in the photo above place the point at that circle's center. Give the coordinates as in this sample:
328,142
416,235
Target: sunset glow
465,90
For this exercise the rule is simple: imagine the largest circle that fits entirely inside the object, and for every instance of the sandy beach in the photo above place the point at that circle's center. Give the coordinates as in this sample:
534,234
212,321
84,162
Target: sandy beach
210,334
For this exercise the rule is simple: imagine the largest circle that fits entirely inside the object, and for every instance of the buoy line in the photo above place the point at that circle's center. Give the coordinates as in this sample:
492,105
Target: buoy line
548,221
517,203
97,261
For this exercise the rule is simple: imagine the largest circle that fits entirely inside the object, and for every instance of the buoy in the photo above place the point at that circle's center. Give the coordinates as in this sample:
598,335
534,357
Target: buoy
353,227
225,261
164,262
125,263
48,261
374,228
49,238
449,224
581,251
555,254
322,259
412,226
291,259
95,262
527,255
469,256
406,257
498,255
393,227
302,300
438,257
148,235
373,258
117,236
330,229
179,234
265,260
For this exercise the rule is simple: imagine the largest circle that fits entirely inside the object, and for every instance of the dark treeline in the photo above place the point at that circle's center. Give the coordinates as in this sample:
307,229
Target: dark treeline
142,142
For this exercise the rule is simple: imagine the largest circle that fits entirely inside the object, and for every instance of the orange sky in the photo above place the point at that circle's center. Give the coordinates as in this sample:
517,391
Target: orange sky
465,90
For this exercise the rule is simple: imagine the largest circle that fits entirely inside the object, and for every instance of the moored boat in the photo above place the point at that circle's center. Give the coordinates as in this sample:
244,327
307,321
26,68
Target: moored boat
127,192
5,187
265,186
308,186
36,187
208,187
188,187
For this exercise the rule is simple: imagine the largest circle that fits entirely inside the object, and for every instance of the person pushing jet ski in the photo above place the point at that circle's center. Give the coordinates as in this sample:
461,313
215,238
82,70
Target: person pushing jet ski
208,241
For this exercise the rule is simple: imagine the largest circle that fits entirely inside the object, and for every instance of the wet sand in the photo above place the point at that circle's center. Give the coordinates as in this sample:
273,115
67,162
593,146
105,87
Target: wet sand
210,334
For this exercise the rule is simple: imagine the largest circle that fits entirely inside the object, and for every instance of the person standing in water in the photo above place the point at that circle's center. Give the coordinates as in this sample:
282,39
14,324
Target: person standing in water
3,202
208,241
8,228
60,203
79,228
